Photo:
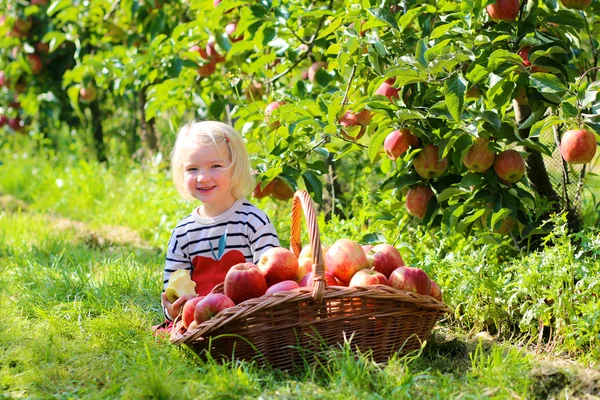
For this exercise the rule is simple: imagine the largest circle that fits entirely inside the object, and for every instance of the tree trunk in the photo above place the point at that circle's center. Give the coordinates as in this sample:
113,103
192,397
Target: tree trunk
148,132
97,131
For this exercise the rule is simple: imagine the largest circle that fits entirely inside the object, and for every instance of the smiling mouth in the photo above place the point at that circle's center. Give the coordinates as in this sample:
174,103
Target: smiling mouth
206,189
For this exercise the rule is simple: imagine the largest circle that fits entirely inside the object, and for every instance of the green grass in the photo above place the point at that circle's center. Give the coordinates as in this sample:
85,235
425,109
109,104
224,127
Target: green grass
80,293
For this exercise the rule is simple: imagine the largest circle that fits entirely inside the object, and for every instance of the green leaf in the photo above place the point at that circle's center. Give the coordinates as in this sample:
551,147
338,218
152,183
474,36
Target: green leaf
502,56
478,73
313,185
533,118
331,28
455,89
500,215
385,16
376,143
420,52
547,83
449,193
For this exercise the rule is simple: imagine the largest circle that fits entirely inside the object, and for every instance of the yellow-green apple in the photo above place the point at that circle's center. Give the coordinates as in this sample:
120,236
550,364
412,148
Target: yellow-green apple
272,106
504,10
384,258
428,164
278,264
35,62
576,4
344,258
411,279
180,284
211,305
244,281
308,279
312,70
479,157
88,93
368,277
189,308
436,292
386,89
305,260
283,286
509,166
417,199
396,143
282,189
578,146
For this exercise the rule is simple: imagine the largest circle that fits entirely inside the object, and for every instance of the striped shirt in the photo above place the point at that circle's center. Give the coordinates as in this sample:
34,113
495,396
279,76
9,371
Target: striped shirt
208,247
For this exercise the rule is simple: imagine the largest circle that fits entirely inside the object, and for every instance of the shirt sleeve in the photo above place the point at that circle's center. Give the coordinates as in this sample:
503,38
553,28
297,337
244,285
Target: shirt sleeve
264,239
176,259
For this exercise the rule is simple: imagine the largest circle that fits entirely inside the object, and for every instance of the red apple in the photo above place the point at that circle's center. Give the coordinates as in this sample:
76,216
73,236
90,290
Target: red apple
3,120
578,146
436,292
212,53
88,93
39,2
364,117
524,53
22,26
344,258
576,4
504,10
35,62
272,106
278,264
282,189
283,286
211,305
396,143
366,248
312,70
417,199
207,69
386,89
244,281
509,166
479,157
304,267
15,124
411,279
308,279
384,258
3,81
187,315
428,164
368,277
348,119
230,31
260,193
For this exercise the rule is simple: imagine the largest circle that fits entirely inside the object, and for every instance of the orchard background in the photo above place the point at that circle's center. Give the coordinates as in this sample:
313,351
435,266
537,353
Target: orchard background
92,94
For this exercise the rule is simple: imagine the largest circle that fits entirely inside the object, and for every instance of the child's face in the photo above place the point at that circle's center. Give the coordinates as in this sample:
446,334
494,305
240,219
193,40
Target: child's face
207,177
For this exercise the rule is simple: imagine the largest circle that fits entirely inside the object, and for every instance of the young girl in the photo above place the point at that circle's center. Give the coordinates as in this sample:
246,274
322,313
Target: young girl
210,163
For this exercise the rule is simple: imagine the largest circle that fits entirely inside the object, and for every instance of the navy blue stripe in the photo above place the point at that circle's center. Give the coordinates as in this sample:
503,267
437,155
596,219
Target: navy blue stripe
217,225
174,246
179,261
182,223
251,213
215,237
177,269
264,247
264,235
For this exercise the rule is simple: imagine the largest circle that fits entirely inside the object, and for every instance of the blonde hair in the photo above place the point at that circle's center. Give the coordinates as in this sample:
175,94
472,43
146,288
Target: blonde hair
199,133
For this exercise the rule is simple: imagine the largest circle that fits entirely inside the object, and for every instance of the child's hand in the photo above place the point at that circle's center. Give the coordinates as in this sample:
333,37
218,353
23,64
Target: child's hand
174,309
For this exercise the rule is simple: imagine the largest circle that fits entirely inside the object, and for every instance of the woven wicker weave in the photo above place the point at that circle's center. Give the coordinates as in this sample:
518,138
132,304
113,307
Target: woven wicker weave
287,329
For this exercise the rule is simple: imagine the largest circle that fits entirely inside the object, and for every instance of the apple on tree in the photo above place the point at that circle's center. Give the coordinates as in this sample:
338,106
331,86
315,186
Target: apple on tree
386,89
504,10
282,189
210,305
428,164
272,106
344,258
314,68
479,157
244,281
396,143
578,146
88,93
35,62
417,199
278,264
411,279
576,4
509,166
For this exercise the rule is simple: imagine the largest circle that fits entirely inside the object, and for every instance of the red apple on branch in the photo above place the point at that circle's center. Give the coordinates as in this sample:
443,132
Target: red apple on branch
364,117
417,199
578,146
282,189
244,281
272,106
576,4
396,143
368,277
386,89
211,305
411,279
428,164
479,157
278,264
509,166
504,10
384,258
3,120
88,93
35,62
260,193
344,258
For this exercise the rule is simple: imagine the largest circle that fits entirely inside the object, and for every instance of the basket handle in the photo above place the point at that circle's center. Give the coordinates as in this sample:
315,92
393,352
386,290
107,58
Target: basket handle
303,203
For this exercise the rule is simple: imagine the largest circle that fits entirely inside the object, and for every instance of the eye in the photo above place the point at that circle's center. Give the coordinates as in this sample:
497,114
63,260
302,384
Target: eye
217,166
191,169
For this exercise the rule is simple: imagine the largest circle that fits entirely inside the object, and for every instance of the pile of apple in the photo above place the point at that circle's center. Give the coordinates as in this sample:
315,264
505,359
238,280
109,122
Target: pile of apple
347,263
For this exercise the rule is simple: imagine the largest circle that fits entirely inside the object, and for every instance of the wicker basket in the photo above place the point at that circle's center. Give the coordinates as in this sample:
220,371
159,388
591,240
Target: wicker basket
289,329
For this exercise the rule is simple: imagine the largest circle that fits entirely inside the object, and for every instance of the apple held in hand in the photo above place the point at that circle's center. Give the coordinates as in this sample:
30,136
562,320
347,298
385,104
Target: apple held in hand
479,157
344,258
368,277
211,305
283,286
397,143
509,166
578,146
189,308
411,279
244,281
428,164
504,10
278,264
384,258
180,284
417,199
